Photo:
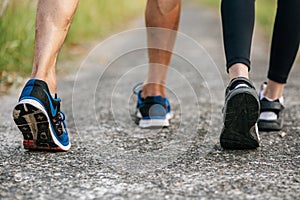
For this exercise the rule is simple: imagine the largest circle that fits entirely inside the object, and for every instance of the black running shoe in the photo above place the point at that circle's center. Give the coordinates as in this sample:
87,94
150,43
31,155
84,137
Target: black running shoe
271,112
39,118
241,112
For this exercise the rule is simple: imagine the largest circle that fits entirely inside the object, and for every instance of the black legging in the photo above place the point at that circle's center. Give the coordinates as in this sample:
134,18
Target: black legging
238,23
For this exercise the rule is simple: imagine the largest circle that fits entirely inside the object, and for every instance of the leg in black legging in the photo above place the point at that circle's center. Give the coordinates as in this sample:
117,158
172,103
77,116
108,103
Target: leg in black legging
285,42
238,23
241,106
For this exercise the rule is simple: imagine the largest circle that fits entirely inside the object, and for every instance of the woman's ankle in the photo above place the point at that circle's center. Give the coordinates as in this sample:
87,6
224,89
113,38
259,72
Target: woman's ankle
238,70
274,90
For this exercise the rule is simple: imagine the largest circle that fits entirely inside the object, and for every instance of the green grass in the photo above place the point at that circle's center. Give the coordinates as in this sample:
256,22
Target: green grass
265,15
16,36
213,3
93,19
96,18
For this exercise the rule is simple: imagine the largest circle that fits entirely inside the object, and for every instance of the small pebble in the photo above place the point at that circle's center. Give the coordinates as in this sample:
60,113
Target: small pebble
282,134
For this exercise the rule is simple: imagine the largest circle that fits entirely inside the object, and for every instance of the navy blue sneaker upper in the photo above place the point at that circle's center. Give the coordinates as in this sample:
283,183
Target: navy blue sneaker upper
153,107
38,90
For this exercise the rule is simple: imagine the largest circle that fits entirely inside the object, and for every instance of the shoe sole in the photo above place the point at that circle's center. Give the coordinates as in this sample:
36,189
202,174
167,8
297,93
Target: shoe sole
241,114
265,125
33,121
272,125
154,123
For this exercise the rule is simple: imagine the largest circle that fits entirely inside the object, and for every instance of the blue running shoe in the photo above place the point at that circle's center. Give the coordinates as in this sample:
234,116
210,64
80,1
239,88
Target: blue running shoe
39,118
153,111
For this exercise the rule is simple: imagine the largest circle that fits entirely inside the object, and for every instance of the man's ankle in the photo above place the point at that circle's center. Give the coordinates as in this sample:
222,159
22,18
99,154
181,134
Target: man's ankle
51,83
153,89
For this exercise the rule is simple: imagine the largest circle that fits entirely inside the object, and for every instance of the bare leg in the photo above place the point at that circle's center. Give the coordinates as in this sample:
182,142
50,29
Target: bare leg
274,90
52,25
160,14
238,70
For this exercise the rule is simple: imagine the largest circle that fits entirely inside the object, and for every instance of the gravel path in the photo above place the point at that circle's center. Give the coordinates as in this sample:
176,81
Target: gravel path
111,158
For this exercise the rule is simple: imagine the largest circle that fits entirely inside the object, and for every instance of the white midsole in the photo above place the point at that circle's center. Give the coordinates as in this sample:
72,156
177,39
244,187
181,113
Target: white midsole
145,123
168,115
270,116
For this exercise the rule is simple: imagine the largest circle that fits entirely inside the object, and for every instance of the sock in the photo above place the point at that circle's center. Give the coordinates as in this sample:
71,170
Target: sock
281,100
268,115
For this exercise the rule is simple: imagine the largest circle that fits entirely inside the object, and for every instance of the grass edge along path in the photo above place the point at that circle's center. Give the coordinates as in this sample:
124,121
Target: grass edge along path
93,19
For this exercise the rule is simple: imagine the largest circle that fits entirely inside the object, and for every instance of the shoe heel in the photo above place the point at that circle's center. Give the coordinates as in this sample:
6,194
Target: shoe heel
241,115
34,126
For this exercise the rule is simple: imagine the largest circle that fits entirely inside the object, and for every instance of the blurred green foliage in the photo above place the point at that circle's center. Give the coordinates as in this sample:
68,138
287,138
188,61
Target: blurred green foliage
93,19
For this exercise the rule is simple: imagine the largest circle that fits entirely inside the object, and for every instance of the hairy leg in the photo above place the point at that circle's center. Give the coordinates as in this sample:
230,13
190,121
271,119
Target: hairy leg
53,20
162,19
